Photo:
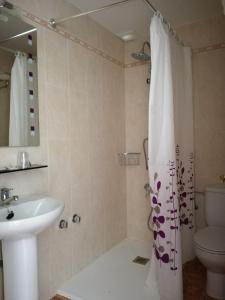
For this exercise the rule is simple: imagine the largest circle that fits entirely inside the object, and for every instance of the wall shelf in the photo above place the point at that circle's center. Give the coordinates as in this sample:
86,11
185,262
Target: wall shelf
32,167
129,158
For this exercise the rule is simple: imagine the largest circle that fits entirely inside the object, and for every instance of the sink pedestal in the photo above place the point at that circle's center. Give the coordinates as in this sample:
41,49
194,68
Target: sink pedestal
20,268
32,215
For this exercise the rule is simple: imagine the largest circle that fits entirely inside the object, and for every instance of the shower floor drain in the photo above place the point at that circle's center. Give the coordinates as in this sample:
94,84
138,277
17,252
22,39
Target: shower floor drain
141,260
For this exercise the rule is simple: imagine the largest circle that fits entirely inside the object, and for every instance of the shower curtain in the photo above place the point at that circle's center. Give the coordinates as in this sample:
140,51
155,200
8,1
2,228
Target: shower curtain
18,122
170,160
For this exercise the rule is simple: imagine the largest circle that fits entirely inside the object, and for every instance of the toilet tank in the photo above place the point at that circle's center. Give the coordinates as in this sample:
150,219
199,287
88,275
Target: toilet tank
215,205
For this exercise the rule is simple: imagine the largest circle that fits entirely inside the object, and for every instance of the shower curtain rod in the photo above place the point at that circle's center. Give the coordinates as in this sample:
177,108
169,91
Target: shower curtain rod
52,22
18,35
150,5
170,28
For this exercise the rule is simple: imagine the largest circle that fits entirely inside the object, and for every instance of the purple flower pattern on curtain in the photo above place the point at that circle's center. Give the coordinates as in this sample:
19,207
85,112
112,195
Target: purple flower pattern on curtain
175,219
185,190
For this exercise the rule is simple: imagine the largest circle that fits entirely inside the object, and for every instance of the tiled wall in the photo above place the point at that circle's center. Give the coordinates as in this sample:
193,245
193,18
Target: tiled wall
82,125
136,98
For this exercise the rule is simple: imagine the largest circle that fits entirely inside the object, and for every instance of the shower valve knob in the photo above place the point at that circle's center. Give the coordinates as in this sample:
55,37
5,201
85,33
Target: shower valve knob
222,178
63,224
76,219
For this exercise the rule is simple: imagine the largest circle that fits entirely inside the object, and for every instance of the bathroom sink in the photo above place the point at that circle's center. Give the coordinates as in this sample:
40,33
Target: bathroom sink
29,216
20,222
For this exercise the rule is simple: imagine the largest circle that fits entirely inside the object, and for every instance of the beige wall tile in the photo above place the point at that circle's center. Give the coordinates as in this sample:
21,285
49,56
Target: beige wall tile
203,33
57,112
97,36
61,255
136,97
56,60
209,106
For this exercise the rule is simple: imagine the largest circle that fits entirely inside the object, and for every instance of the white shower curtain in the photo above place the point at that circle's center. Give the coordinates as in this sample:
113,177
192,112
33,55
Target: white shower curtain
18,123
170,160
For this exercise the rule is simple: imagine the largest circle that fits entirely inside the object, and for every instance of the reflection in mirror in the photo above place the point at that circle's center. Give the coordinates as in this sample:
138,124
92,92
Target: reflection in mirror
19,122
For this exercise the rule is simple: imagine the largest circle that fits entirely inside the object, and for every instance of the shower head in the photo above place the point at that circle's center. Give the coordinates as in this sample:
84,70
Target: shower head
6,4
142,55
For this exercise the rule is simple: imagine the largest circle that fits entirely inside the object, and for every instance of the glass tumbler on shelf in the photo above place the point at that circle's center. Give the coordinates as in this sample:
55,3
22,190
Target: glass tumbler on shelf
23,160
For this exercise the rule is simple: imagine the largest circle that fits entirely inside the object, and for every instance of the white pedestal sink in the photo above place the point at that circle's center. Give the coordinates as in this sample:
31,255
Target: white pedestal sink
32,214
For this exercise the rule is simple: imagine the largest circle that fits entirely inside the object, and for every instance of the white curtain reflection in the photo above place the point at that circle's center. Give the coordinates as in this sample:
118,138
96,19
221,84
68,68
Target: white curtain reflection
18,124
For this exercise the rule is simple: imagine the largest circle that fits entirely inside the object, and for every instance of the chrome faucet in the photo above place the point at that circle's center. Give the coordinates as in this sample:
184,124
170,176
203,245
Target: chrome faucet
5,196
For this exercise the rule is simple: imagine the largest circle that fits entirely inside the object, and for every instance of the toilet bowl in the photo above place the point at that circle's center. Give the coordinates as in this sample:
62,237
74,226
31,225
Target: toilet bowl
210,249
209,242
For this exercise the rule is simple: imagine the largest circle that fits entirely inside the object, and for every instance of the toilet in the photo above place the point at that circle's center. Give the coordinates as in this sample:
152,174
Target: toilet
209,242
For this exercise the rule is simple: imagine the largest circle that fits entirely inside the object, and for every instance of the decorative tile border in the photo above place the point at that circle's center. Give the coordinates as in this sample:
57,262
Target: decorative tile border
73,38
99,52
135,64
209,48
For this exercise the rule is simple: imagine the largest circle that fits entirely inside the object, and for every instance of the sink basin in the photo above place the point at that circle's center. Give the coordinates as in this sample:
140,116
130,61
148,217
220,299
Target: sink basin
32,214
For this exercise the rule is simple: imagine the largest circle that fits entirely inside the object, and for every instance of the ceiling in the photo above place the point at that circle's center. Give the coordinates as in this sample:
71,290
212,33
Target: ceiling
135,16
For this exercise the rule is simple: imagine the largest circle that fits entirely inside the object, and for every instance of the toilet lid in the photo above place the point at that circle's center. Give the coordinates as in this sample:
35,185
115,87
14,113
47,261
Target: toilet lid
211,239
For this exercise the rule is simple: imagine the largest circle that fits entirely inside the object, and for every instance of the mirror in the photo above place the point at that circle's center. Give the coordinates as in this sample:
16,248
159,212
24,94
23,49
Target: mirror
19,121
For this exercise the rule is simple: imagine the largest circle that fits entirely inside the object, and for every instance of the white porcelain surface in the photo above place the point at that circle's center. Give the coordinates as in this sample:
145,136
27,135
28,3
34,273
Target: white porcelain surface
215,265
212,239
32,214
215,205
212,261
20,269
114,276
209,242
215,285
217,188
